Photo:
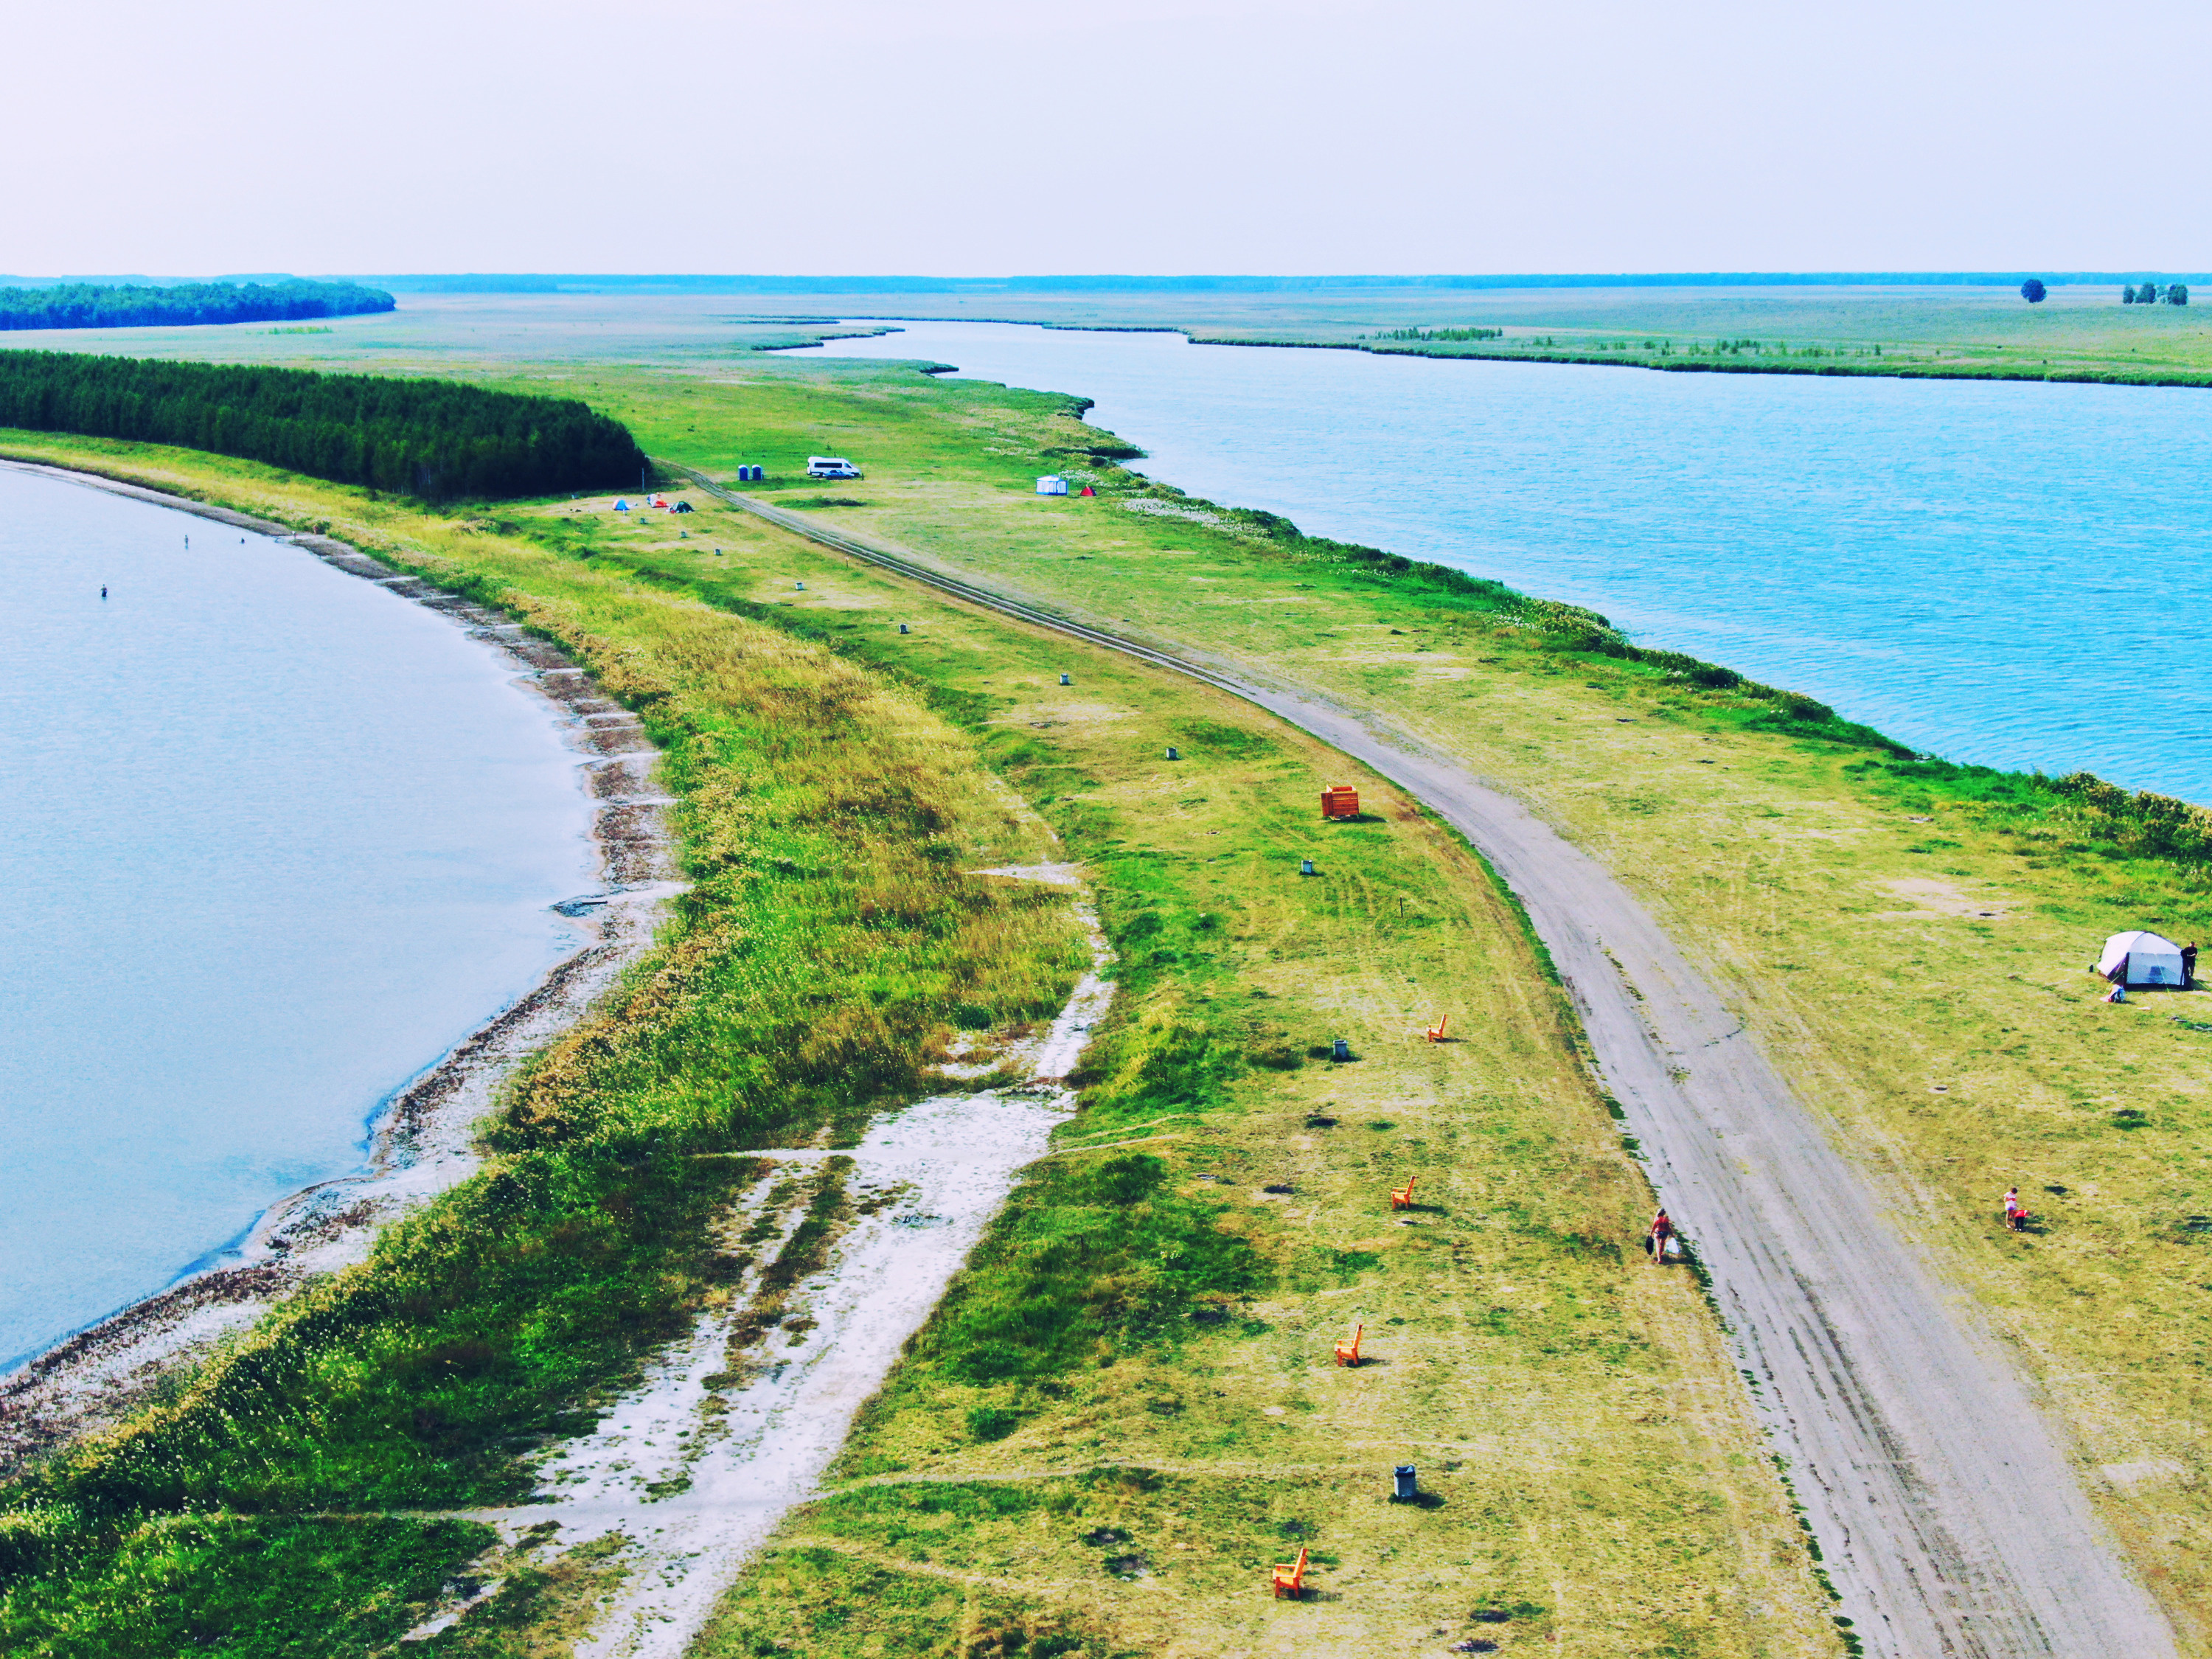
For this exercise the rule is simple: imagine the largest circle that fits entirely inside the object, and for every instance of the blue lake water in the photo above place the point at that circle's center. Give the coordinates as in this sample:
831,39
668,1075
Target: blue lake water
275,839
2014,575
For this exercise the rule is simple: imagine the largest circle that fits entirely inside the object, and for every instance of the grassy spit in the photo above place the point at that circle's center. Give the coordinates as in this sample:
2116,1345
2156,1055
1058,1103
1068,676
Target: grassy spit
1127,1407
1907,938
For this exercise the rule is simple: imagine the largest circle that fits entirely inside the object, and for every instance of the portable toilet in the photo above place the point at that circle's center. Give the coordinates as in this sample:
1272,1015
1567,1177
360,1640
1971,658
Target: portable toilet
1051,484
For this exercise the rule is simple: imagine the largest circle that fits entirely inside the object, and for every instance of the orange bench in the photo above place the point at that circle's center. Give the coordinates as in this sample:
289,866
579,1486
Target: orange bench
1436,1030
1347,1353
1291,1577
1401,1197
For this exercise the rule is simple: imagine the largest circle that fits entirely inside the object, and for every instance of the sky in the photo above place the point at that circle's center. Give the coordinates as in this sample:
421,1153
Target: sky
978,138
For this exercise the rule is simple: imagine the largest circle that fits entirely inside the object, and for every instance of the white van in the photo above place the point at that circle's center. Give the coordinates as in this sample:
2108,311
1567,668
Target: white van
830,466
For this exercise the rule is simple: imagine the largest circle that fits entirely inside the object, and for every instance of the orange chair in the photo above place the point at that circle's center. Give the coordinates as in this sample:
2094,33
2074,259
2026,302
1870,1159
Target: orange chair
1291,1577
1436,1030
1401,1197
1347,1353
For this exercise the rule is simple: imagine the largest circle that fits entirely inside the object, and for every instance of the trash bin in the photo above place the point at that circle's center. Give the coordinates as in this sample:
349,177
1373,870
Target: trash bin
1172,755
1402,1483
1340,1050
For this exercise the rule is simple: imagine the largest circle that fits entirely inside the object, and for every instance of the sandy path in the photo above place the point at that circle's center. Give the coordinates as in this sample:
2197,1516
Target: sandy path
695,1473
1949,1517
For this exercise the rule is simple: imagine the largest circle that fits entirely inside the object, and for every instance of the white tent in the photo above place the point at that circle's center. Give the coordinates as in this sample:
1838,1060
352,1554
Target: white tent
2147,959
1051,484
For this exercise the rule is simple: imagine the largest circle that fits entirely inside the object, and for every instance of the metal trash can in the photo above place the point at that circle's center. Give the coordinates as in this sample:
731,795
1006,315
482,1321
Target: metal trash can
1402,1483
1340,1050
1172,754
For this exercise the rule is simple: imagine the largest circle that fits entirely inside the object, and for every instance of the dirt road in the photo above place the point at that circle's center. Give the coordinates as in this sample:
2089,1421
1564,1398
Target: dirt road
1947,1514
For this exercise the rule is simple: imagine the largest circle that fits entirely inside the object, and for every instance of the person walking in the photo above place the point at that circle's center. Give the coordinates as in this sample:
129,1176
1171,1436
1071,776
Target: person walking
2014,1215
1662,1228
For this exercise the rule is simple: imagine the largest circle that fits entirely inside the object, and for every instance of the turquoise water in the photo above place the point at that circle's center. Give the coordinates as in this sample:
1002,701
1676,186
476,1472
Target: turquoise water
276,839
2011,574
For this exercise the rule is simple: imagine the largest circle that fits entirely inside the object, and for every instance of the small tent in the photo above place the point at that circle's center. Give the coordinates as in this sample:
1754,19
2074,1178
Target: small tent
1051,484
2141,959
621,506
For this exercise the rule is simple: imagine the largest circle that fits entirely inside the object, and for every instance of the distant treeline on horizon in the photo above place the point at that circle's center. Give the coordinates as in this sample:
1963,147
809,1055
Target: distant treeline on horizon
437,439
102,305
546,282
679,282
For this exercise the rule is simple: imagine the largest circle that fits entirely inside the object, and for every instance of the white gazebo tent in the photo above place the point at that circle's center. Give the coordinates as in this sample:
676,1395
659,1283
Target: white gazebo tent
2141,959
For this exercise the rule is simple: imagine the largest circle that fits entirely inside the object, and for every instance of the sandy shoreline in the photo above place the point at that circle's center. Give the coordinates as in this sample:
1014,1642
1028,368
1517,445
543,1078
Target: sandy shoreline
420,1143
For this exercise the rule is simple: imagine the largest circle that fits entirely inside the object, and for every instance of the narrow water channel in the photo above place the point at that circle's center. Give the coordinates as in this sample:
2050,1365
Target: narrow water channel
2010,573
275,839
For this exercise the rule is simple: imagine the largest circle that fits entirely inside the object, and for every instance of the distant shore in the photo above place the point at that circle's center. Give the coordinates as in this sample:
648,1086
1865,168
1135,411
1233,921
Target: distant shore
1902,369
421,1140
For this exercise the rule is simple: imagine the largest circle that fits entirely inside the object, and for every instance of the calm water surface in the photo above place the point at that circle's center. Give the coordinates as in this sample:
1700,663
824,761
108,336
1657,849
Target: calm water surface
275,839
2013,574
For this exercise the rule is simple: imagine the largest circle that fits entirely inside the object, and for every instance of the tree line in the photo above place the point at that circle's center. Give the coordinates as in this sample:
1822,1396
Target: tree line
2175,293
433,439
97,304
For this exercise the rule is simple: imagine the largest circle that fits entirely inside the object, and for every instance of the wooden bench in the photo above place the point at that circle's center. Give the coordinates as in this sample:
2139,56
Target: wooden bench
1401,1197
1347,1353
1291,1577
1436,1030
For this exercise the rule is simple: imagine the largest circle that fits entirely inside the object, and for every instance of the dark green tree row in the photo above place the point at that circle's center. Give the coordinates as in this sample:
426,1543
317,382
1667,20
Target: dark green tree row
433,438
2149,294
97,304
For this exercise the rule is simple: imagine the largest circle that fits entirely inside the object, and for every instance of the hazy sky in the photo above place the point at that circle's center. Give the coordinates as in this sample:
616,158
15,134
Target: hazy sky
979,137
